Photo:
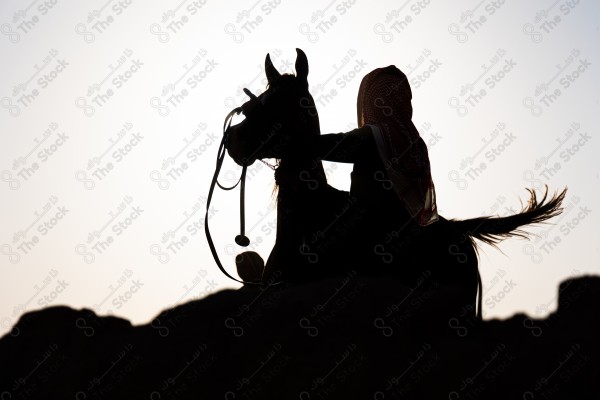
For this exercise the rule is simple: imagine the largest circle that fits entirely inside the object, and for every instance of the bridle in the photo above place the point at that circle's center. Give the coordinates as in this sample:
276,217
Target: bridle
241,239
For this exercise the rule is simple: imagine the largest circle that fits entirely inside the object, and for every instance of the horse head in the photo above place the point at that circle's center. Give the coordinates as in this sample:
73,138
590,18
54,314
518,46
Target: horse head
284,112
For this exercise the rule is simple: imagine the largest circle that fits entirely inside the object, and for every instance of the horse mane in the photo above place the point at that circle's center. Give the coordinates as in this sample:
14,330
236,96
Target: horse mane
284,76
310,119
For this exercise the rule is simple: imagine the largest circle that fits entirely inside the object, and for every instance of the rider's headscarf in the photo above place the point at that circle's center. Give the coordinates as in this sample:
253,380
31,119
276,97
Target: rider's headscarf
384,102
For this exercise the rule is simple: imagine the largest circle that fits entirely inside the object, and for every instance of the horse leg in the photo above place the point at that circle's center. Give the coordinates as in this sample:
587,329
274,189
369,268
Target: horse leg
430,259
454,264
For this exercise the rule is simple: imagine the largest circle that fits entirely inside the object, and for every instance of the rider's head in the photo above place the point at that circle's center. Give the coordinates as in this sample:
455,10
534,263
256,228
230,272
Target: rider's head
383,92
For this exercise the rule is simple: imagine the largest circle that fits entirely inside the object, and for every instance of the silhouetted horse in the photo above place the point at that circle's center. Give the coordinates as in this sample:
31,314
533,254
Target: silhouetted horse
322,231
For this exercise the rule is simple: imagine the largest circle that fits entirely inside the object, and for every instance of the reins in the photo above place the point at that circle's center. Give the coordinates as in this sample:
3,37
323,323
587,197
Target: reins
241,239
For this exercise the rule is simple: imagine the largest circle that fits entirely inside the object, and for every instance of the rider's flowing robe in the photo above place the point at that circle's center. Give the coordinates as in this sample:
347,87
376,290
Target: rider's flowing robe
384,104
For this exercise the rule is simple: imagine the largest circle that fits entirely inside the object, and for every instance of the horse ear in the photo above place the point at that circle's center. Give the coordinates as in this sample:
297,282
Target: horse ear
301,65
270,70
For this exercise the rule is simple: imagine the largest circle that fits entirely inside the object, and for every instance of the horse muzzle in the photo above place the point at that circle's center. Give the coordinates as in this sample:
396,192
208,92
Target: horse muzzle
237,144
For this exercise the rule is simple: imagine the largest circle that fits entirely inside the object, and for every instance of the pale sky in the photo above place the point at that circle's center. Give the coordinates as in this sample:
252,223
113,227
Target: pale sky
111,116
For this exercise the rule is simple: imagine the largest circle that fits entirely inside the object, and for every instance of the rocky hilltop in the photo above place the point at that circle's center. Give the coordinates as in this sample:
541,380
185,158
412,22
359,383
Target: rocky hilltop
351,337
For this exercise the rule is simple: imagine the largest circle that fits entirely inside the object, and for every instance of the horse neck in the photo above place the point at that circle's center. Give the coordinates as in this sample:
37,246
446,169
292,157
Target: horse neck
298,176
298,180
297,183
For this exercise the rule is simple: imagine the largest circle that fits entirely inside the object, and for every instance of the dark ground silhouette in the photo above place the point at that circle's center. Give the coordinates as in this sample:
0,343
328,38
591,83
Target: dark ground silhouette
349,337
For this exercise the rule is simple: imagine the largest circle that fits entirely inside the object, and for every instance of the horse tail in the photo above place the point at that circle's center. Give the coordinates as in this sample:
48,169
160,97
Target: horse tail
492,230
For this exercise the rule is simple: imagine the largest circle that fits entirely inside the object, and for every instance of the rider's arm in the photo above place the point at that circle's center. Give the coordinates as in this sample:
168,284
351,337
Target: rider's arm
347,147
